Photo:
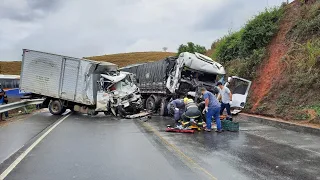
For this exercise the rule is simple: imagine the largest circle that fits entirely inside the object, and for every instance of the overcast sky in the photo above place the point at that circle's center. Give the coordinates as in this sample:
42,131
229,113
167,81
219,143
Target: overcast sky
95,27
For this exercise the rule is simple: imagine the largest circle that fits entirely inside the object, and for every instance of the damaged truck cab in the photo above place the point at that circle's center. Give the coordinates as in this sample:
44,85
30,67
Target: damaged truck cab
118,94
193,71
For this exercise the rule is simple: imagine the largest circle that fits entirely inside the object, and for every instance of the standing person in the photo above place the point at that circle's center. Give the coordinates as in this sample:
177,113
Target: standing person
226,99
212,108
5,100
1,99
178,107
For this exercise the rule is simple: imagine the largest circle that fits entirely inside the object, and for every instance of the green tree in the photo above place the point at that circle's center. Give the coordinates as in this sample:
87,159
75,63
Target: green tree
192,48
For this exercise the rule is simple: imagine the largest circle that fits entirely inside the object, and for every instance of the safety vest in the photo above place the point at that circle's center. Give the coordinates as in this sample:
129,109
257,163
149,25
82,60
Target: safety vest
191,104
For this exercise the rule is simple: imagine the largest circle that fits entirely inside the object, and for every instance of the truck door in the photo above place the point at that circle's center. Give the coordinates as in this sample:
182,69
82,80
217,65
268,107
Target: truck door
239,88
69,78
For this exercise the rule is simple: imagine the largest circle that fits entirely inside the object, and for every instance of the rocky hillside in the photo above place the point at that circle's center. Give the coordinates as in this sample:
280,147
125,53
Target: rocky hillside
282,59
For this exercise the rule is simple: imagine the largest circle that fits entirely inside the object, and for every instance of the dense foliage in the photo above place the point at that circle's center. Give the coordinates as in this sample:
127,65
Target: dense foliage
308,26
192,48
247,46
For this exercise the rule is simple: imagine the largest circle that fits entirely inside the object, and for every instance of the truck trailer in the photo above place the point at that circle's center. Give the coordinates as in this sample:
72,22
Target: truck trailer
172,77
78,84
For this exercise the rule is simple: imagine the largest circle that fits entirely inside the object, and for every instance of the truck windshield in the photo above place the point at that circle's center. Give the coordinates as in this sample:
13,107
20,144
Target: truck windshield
126,81
200,76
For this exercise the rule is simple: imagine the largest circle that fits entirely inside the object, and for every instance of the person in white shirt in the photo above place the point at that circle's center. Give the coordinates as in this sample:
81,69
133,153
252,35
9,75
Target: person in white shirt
226,99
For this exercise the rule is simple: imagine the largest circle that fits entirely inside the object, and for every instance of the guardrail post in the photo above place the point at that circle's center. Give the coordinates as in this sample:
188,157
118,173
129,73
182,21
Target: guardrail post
20,104
25,110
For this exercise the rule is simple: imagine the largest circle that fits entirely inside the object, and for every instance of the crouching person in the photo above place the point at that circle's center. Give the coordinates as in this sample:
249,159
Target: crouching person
177,107
192,114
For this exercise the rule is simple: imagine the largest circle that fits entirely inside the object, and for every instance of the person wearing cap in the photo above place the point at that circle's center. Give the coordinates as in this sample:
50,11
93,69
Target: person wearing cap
192,111
178,107
212,109
226,99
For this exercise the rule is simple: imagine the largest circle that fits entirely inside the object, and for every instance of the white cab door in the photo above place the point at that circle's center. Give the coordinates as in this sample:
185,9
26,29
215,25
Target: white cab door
239,88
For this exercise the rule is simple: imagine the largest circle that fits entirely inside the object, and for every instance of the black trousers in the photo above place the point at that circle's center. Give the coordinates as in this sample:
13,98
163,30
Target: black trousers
225,106
192,112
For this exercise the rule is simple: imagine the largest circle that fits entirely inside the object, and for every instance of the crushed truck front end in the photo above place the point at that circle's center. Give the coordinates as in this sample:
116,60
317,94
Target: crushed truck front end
123,95
194,70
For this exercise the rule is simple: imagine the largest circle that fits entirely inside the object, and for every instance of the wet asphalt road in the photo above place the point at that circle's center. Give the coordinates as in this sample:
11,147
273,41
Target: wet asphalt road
15,134
104,147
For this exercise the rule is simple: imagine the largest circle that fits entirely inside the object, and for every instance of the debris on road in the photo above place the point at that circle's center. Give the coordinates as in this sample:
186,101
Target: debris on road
139,115
179,129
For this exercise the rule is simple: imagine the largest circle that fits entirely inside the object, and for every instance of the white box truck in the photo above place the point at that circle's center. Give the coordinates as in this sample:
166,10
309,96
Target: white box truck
78,84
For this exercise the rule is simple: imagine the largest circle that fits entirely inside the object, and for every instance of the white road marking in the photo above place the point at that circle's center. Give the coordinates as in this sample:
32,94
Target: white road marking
34,144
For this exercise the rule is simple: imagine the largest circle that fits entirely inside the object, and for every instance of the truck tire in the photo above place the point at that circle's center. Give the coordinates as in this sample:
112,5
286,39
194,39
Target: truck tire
163,107
92,112
151,104
157,101
122,113
56,107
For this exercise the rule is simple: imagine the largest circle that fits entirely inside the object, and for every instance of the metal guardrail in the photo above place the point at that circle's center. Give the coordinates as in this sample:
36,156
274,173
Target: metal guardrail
19,104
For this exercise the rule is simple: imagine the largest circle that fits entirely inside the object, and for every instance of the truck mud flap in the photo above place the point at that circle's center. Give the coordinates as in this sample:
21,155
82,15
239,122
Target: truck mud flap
139,115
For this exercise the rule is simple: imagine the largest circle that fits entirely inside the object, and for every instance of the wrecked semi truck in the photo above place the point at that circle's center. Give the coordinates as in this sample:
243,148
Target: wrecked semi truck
78,84
174,76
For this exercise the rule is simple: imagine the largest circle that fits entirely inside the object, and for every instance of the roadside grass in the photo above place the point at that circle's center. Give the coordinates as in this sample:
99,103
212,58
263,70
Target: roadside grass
308,24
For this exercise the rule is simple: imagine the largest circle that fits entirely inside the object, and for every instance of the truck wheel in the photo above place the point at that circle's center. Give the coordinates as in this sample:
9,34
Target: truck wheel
122,112
157,101
56,108
163,107
107,113
92,112
151,104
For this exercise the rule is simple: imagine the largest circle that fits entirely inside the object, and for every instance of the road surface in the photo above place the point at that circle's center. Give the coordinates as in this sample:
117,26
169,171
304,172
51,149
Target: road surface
104,147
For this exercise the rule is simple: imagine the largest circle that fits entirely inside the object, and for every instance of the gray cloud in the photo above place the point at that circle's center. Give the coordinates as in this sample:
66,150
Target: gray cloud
27,10
84,28
222,18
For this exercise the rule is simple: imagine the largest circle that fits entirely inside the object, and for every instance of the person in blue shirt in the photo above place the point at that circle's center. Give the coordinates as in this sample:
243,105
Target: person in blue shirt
212,109
178,107
1,99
